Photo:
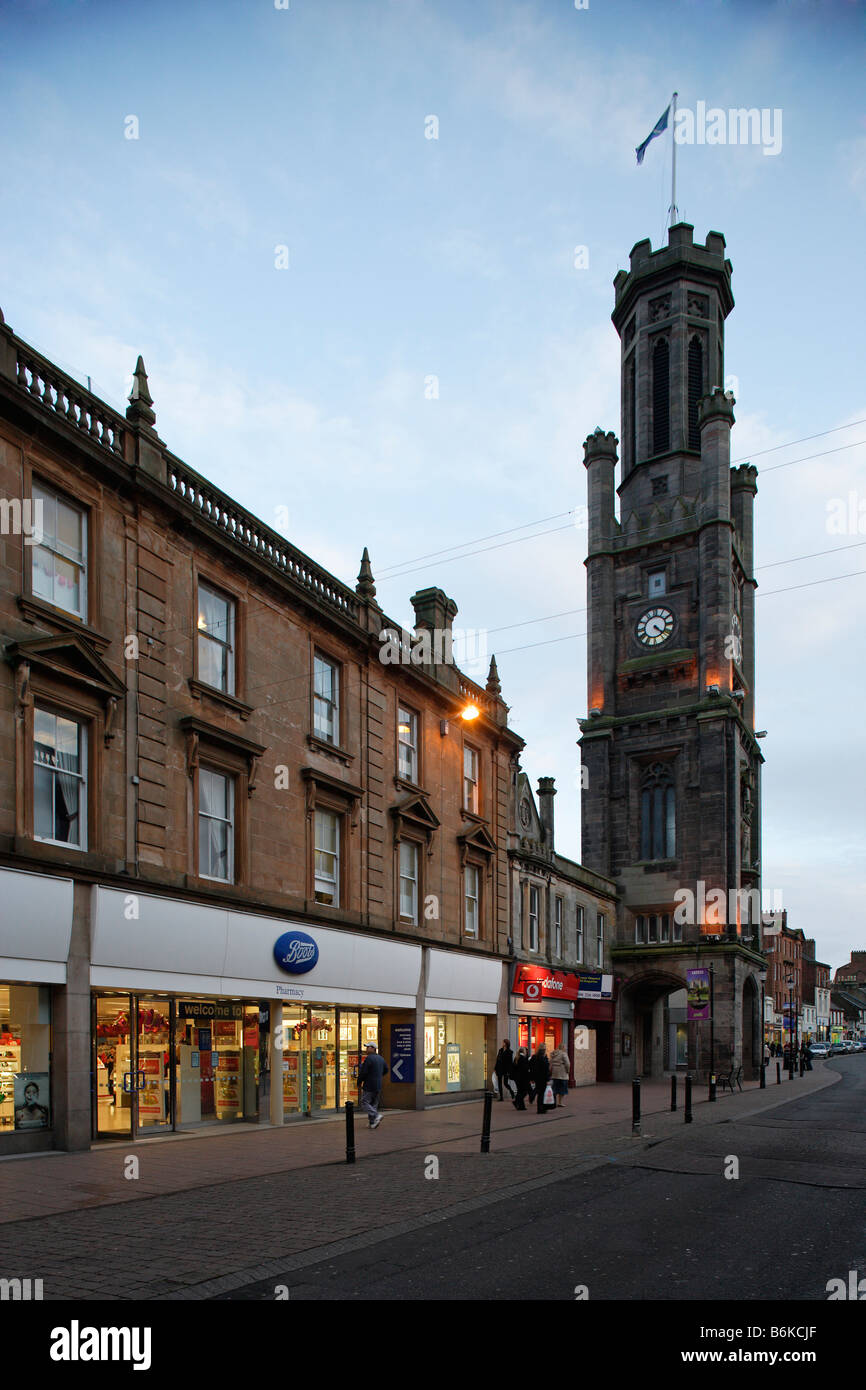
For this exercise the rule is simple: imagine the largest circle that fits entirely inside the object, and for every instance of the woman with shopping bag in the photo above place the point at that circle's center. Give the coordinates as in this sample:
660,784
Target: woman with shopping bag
539,1071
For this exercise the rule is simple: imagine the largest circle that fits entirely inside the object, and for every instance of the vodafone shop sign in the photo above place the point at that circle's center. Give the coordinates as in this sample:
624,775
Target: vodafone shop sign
535,982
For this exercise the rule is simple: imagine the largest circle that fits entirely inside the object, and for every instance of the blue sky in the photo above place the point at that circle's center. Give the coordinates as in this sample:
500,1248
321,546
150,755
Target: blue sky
304,389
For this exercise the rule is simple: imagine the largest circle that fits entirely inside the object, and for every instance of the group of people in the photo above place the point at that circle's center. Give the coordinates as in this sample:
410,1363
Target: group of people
527,1077
787,1057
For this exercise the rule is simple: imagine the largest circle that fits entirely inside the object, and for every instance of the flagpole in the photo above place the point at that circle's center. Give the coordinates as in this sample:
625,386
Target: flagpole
674,210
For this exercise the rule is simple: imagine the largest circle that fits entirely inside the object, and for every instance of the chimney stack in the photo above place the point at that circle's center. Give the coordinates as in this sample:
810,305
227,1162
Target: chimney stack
546,793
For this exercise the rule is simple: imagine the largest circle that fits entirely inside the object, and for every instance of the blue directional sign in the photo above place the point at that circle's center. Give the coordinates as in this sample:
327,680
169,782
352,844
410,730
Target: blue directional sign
403,1052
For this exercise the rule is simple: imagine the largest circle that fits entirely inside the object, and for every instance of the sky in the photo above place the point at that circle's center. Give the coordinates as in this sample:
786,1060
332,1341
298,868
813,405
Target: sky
344,238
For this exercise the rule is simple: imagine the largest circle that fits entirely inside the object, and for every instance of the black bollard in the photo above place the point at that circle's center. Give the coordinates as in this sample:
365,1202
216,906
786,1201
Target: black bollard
688,1105
763,1077
778,1073
485,1127
635,1105
673,1093
350,1132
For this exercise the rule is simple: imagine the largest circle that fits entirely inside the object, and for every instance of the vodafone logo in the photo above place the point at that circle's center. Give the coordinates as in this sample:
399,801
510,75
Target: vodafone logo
532,990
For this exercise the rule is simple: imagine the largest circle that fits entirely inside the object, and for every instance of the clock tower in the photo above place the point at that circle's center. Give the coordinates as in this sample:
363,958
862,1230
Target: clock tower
671,800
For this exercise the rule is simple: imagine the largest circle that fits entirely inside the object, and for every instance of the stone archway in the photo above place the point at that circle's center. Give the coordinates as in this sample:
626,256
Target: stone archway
648,1030
751,1028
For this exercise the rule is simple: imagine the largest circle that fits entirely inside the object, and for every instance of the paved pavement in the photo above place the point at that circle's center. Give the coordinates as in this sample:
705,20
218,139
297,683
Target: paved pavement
214,1212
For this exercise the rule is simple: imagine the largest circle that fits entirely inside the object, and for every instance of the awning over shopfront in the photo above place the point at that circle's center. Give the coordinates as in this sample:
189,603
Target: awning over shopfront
35,926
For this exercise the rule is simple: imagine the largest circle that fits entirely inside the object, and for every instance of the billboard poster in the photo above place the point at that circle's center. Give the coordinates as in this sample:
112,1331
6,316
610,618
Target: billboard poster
31,1100
698,994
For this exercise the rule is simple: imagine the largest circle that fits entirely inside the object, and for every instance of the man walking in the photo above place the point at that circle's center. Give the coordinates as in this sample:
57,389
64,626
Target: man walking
504,1065
373,1070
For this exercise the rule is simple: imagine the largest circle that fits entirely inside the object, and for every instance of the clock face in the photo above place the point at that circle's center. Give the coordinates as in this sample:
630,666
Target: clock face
655,626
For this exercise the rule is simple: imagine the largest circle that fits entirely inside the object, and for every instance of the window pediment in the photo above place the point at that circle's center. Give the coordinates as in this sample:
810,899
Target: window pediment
71,659
476,839
201,734
415,814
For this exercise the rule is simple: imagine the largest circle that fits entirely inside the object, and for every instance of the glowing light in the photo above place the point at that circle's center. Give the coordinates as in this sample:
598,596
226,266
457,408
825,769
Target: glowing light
470,712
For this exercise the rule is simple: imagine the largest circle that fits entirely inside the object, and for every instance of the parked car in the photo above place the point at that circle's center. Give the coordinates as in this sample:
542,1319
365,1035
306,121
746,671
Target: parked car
819,1049
837,1049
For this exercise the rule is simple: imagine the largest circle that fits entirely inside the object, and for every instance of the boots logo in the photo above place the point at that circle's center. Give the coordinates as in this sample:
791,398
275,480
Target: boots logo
295,952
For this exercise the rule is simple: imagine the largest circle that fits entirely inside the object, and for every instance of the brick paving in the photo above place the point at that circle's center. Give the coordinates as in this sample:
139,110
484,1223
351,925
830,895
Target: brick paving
218,1211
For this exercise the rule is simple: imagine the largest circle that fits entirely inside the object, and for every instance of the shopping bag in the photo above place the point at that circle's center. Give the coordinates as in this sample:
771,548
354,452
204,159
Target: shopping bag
548,1095
511,1085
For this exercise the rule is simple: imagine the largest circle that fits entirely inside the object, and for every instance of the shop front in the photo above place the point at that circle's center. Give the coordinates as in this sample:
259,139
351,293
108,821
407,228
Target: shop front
36,930
164,1062
541,1010
594,1012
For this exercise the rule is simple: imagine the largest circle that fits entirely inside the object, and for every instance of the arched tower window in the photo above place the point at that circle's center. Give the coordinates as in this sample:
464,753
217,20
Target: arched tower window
661,396
631,411
658,814
696,389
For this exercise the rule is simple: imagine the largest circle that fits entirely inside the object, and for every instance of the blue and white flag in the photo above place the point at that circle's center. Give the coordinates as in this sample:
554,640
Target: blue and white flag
660,125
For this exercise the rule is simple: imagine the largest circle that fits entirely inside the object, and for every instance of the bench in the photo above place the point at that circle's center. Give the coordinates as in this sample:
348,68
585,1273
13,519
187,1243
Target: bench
731,1078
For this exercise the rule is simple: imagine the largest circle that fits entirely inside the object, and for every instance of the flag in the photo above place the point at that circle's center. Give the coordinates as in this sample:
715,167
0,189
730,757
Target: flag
660,125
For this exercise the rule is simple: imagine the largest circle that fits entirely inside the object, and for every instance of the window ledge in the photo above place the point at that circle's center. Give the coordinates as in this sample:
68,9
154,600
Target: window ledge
330,750
403,784
473,816
36,610
231,702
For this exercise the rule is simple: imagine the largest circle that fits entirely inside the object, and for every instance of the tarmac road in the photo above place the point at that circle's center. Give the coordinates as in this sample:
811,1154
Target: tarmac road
661,1224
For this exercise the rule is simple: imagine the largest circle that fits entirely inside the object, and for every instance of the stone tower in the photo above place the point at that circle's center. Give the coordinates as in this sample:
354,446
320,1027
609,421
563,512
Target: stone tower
671,806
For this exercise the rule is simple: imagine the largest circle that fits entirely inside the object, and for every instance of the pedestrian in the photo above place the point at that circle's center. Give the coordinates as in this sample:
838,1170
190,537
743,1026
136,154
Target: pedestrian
520,1073
772,1049
370,1077
503,1066
559,1070
539,1071
768,1052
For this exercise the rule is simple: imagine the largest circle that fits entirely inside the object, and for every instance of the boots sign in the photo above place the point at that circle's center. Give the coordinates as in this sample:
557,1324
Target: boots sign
295,952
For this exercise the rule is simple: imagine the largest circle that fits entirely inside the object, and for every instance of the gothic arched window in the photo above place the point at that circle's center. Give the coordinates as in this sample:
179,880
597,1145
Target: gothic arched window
661,396
658,814
631,411
696,389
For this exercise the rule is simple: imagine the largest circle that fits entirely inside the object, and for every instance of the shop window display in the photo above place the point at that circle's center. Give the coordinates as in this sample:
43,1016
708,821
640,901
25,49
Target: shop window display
25,1048
454,1053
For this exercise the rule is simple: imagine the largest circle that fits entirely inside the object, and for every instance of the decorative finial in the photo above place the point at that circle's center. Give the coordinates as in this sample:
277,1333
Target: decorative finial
365,588
493,685
139,411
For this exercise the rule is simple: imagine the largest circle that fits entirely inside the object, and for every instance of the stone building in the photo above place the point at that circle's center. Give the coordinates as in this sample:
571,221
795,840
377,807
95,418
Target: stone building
561,985
672,806
236,842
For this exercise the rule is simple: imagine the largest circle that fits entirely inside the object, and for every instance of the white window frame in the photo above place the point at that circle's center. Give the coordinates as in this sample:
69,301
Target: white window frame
640,926
472,901
319,877
579,928
599,936
470,779
412,878
229,780
557,928
81,777
330,704
227,644
533,896
656,583
407,743
57,550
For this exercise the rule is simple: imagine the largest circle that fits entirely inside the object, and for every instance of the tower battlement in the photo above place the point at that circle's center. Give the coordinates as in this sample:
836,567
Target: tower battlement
681,251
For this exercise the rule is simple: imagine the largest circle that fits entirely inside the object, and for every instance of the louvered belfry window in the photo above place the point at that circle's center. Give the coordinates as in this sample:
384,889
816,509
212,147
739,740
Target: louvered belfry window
661,397
696,389
631,408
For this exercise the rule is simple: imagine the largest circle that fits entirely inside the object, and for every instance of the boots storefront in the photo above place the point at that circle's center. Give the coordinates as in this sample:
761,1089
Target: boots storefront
260,1019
